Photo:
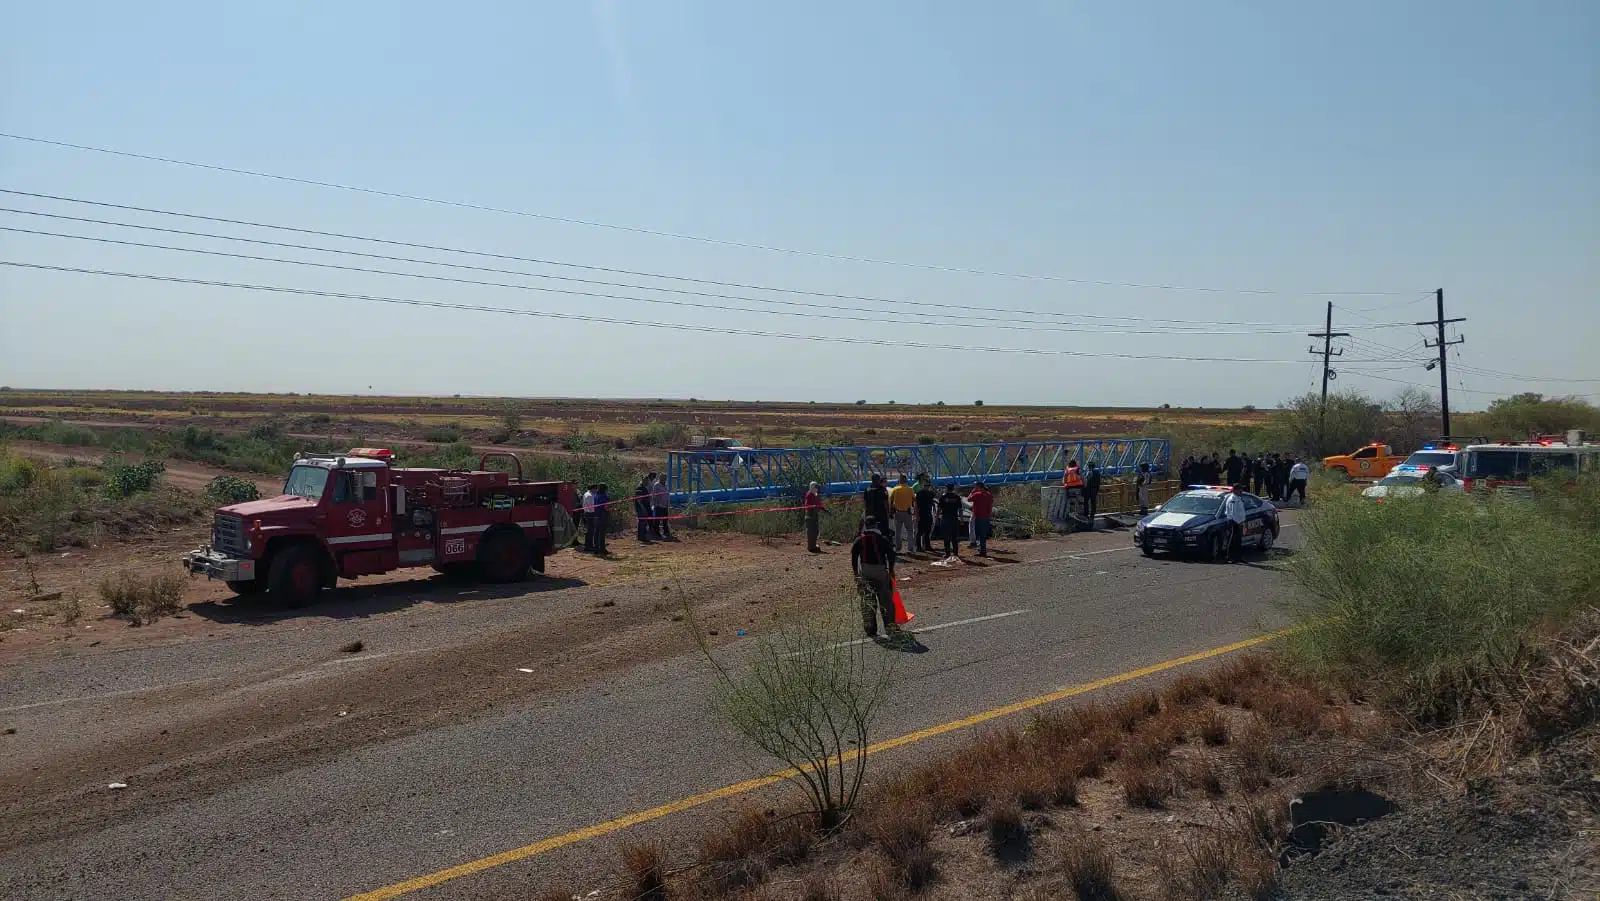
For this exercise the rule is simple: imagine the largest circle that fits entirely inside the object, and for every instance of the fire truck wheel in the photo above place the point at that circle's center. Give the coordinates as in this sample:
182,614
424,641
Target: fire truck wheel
248,587
296,577
503,557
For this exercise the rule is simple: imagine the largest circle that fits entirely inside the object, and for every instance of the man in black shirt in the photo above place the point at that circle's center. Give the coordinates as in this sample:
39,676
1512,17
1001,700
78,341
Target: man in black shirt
1091,492
927,499
1233,468
875,503
872,562
950,521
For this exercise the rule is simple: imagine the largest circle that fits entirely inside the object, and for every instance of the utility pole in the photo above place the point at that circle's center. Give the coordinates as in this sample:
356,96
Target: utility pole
1327,335
1443,345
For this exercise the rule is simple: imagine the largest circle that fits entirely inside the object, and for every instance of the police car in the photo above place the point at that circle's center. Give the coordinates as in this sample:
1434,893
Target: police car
1441,457
1407,480
1192,523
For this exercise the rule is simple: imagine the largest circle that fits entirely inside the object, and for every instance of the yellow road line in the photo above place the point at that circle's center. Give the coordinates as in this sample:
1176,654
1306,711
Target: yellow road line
738,788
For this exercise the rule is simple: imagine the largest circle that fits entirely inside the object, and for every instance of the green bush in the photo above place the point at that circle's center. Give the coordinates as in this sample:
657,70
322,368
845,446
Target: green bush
17,473
143,598
1427,604
225,490
663,434
61,433
124,479
442,434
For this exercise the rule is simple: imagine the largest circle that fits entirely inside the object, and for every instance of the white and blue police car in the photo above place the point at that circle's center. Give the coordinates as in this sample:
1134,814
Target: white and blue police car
1191,523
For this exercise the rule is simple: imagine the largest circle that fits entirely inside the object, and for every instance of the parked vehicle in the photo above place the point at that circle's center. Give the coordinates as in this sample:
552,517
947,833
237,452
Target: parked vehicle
1407,480
1192,523
1510,465
1371,462
357,514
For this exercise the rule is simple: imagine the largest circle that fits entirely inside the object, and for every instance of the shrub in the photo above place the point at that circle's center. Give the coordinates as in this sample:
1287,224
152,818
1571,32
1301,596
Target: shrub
442,434
143,598
1420,603
127,479
1090,869
225,490
1145,784
646,871
663,434
927,439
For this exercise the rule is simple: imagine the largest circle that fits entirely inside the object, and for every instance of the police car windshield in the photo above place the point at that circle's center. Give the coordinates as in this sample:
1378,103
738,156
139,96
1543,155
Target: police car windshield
1433,458
306,482
1192,503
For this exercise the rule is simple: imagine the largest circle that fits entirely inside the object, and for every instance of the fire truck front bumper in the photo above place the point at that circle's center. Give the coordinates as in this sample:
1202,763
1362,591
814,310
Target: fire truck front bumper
215,564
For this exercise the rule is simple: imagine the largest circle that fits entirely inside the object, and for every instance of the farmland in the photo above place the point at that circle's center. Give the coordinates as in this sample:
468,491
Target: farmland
621,423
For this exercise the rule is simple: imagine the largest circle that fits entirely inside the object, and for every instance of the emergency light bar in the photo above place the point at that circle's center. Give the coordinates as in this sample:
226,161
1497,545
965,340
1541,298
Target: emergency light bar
376,453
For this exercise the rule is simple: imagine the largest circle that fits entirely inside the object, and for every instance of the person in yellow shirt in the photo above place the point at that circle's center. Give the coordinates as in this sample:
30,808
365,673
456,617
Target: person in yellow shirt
902,506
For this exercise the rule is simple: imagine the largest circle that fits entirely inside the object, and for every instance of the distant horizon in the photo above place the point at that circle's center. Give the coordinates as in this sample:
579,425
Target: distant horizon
986,404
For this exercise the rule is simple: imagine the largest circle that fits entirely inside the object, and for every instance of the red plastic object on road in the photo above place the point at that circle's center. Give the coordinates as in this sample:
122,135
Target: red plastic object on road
901,614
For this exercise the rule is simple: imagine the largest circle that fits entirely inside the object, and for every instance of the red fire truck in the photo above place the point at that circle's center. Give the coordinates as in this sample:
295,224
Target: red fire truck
1510,465
357,514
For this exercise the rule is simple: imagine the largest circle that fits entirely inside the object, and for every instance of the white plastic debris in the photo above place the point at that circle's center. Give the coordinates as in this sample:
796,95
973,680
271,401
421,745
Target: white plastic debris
523,669
19,610
117,785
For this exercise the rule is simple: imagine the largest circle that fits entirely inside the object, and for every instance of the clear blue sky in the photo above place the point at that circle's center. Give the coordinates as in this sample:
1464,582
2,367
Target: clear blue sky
1293,146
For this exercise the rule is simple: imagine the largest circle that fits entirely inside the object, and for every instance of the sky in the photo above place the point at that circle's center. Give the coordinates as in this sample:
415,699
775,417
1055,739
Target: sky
1019,177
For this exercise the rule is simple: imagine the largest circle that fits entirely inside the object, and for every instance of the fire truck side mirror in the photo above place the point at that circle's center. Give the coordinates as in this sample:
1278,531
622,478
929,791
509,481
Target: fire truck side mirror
399,499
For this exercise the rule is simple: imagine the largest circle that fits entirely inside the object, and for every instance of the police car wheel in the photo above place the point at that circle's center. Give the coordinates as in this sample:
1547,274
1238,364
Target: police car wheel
1147,550
1217,547
1268,536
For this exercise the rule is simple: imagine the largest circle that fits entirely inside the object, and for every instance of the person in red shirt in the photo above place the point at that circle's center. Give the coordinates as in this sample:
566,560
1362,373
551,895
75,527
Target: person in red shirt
982,509
813,512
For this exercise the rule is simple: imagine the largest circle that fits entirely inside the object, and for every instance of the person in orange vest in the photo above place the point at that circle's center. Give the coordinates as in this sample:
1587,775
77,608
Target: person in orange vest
1073,483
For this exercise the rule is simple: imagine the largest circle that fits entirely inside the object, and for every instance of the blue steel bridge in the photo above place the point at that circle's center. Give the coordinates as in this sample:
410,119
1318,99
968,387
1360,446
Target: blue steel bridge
721,476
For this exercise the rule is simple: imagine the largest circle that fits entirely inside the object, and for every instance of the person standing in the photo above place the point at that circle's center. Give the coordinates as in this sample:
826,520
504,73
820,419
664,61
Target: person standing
902,505
602,508
1186,472
589,527
1258,472
812,505
1091,493
641,509
982,502
1282,468
1234,467
1233,511
660,504
1141,483
1299,476
875,502
927,500
872,562
950,521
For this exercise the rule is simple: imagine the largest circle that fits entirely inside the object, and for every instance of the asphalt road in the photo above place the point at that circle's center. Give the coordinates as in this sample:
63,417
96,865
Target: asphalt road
387,812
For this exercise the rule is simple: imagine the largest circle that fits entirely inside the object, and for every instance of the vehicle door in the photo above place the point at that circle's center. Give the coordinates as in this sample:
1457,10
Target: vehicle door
1366,461
358,509
1256,518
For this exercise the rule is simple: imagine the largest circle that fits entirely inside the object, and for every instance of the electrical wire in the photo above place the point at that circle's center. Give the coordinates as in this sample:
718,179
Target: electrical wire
968,308
590,223
875,320
878,314
581,317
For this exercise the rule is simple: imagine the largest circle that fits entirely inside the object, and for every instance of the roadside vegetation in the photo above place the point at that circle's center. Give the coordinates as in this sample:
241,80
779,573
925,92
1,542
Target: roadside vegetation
45,506
1443,671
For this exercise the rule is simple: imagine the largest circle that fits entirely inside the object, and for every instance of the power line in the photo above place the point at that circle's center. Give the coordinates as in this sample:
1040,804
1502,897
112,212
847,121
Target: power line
607,269
979,322
679,235
610,320
875,320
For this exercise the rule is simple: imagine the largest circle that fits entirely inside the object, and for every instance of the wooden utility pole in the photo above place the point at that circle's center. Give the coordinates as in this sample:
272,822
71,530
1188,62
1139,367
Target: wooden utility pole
1443,345
1328,353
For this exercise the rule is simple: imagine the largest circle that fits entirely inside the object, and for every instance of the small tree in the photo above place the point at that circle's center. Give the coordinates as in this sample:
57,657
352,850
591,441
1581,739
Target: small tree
977,403
861,403
1351,420
512,419
807,694
1414,418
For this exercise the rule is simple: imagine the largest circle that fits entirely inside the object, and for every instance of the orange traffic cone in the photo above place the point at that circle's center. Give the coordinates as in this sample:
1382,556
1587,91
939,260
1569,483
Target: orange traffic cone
901,614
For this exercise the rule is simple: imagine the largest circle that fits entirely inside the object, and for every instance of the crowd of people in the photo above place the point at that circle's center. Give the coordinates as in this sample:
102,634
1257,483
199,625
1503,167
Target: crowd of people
1277,477
651,509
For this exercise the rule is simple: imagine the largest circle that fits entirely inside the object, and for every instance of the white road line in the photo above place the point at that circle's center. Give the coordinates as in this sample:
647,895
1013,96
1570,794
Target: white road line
960,622
84,699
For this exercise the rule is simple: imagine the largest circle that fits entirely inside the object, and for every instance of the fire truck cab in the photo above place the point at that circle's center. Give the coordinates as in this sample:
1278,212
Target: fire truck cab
351,515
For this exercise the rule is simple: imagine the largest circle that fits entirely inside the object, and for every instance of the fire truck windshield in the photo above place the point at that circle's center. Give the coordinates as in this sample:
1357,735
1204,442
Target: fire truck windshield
306,482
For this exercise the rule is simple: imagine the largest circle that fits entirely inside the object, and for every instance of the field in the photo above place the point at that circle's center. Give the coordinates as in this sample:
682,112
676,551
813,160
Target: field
623,423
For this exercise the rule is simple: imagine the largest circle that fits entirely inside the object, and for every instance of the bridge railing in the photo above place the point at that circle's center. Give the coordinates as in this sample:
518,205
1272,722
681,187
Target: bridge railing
732,476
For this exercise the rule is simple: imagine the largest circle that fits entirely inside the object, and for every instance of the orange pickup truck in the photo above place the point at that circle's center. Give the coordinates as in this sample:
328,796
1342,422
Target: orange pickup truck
1371,462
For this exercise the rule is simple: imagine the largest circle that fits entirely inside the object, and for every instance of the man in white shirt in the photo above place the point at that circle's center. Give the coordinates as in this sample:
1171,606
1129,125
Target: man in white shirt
1299,475
1233,510
589,528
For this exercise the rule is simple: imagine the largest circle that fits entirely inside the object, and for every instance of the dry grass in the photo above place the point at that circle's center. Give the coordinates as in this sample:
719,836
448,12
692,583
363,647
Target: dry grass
1134,710
818,887
143,598
1145,784
1008,834
1090,869
1187,690
1213,728
645,869
731,858
1201,772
